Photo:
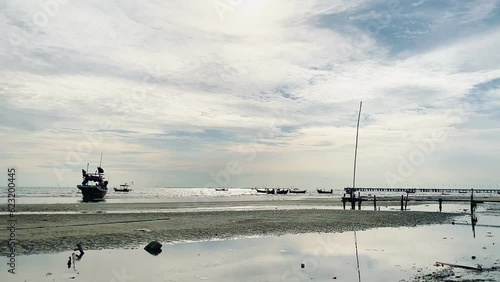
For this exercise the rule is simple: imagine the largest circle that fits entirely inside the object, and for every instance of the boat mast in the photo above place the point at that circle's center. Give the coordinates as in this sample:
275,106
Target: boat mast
100,162
356,150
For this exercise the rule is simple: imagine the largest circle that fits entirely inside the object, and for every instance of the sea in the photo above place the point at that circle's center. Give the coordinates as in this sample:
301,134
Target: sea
69,195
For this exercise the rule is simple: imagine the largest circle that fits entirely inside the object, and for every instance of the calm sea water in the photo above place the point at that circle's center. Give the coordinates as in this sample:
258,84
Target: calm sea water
61,195
48,195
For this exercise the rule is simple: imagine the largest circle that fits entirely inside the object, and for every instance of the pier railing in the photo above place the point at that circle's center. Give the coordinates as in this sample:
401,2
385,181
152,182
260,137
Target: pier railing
349,190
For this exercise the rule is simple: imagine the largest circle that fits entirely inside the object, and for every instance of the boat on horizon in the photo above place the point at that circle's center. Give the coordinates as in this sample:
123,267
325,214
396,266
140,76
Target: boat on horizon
282,191
270,191
261,190
298,191
123,188
322,191
221,189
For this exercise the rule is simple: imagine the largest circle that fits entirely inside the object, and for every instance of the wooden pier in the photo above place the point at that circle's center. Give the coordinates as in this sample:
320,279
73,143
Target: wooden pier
353,199
348,190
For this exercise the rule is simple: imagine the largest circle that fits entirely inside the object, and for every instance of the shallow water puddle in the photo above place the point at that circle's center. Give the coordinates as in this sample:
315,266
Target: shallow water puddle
386,254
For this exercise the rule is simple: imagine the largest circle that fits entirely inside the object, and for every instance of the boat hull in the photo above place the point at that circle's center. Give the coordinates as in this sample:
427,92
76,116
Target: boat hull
92,191
298,191
325,192
122,190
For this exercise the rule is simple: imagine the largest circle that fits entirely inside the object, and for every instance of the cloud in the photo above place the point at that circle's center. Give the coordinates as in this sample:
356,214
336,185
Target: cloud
177,89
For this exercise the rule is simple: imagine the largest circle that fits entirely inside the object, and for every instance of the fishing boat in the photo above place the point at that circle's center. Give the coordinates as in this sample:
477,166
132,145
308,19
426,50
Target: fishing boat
123,188
261,190
298,191
98,189
322,191
221,189
270,191
282,191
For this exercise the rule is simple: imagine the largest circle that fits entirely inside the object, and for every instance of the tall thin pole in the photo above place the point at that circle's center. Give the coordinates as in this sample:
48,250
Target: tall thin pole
354,186
356,148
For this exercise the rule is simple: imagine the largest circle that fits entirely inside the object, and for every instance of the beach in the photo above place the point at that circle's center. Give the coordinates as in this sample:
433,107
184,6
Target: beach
220,234
117,226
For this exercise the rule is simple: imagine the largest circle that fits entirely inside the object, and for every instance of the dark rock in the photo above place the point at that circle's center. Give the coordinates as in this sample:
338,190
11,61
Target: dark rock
302,265
473,257
153,248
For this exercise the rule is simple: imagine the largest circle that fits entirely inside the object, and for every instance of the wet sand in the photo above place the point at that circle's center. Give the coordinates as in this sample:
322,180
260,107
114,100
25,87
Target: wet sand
48,233
200,203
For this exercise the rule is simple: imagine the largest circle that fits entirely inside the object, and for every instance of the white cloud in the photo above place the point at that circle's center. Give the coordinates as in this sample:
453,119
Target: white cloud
265,77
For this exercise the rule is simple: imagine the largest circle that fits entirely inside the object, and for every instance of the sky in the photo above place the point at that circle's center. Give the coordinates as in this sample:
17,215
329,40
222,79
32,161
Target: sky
246,93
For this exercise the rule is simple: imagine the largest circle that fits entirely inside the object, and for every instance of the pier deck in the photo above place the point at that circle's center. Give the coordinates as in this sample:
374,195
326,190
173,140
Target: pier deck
424,190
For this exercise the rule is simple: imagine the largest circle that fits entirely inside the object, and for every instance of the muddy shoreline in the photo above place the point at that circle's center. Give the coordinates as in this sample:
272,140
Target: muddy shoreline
49,233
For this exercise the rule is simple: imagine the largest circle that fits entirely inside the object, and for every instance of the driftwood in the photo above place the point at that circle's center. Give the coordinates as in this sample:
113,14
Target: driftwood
479,268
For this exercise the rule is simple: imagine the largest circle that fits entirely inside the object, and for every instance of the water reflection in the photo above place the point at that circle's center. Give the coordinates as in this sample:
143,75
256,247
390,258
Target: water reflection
386,254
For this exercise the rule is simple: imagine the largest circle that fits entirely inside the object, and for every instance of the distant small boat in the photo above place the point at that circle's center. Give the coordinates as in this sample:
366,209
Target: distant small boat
282,191
270,191
221,189
297,191
123,188
261,190
322,191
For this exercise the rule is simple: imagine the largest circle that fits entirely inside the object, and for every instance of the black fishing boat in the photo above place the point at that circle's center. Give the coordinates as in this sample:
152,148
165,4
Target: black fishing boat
322,191
297,191
282,191
95,191
261,190
270,191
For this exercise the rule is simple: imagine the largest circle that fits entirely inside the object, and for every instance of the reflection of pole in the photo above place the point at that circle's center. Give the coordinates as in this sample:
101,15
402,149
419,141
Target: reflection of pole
357,258
473,217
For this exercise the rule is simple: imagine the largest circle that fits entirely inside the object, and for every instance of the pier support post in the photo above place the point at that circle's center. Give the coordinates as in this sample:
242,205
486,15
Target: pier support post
374,203
402,199
359,203
343,201
440,204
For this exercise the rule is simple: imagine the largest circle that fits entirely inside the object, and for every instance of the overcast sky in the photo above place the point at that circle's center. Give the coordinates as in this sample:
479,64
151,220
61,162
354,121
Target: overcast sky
245,93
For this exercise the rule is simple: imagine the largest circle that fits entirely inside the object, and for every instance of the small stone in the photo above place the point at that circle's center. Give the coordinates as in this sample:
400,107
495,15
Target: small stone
473,257
302,265
153,248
